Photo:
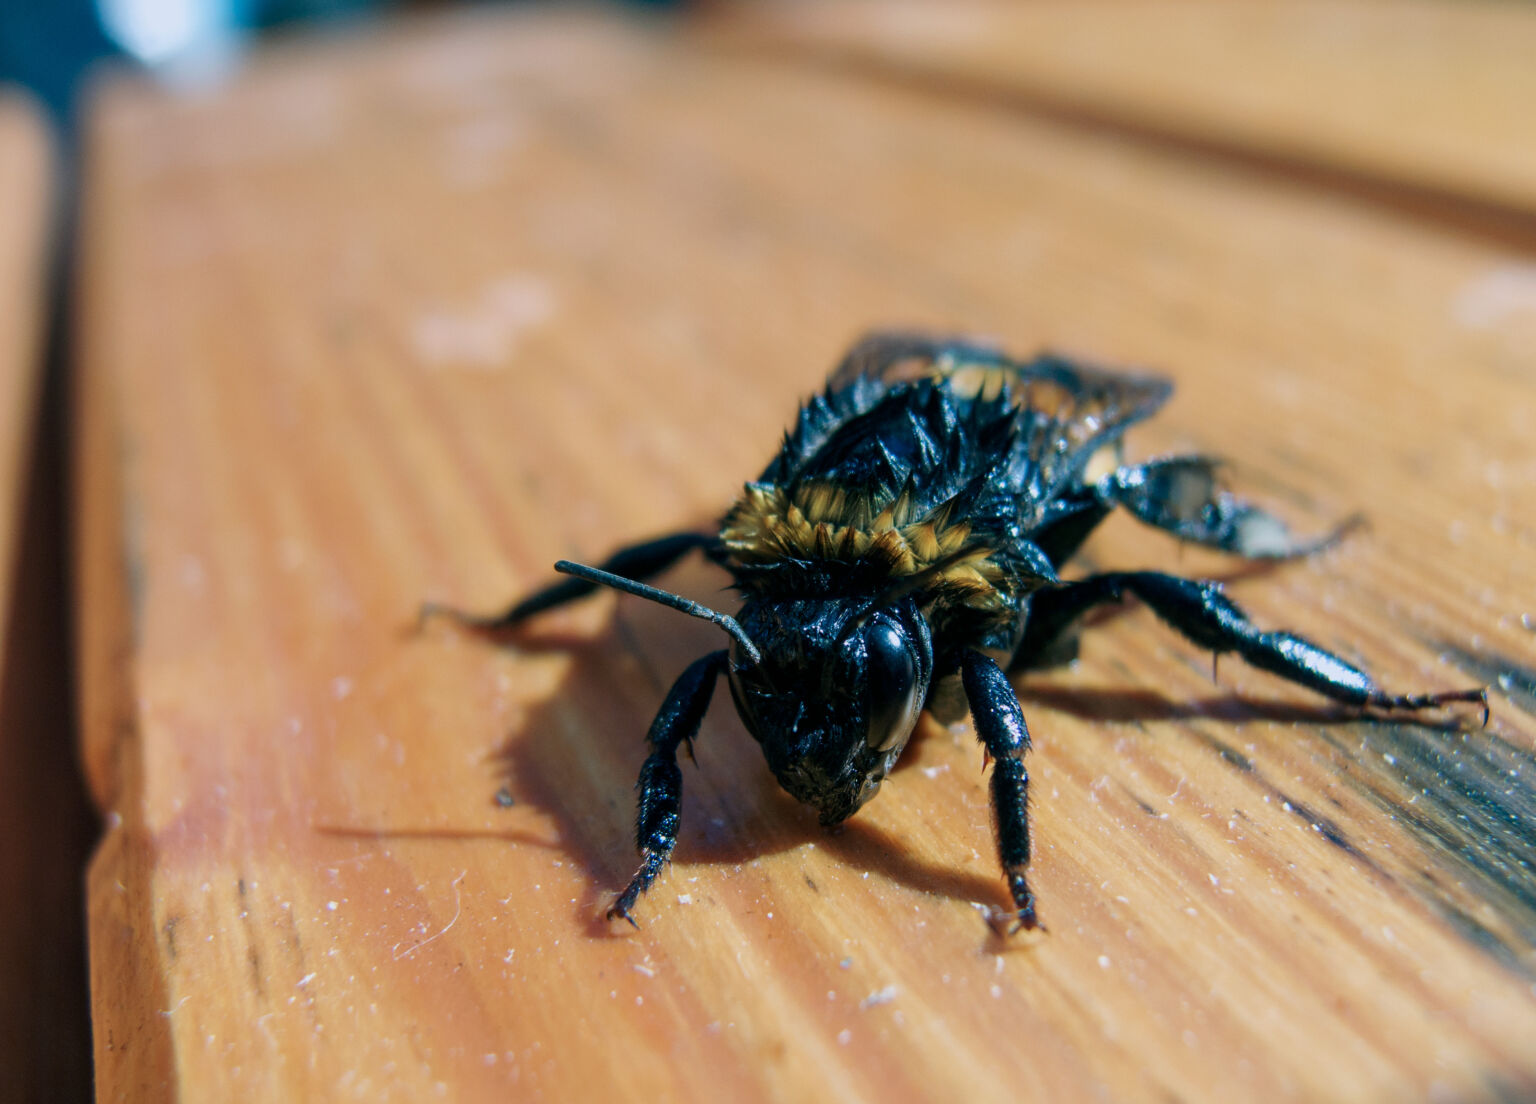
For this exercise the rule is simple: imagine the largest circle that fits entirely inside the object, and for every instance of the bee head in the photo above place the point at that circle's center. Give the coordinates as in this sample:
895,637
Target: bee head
830,687
835,694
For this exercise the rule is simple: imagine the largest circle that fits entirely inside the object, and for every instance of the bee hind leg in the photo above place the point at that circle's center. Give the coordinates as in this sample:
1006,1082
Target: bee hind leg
1201,613
1000,726
637,561
1050,632
661,782
1182,495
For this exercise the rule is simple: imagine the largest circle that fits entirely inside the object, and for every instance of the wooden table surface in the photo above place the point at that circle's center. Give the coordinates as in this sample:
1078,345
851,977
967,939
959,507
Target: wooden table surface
1432,98
25,177
410,314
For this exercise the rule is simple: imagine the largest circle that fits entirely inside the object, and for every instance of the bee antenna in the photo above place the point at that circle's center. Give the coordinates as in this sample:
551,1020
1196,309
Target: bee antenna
666,598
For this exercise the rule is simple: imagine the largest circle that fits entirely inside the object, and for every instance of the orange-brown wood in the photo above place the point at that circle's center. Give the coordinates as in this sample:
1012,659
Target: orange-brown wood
25,172
1428,95
410,316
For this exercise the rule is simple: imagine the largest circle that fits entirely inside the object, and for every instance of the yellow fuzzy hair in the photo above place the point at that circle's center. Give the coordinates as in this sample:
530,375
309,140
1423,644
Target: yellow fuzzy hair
822,521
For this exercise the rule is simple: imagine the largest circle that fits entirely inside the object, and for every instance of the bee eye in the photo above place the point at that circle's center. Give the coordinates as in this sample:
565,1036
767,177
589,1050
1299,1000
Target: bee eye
891,686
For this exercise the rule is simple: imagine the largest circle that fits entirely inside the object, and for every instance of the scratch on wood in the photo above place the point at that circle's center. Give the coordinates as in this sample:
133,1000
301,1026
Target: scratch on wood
458,907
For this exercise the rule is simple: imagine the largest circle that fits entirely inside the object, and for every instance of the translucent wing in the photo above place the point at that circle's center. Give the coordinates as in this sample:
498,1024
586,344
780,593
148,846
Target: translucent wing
1067,411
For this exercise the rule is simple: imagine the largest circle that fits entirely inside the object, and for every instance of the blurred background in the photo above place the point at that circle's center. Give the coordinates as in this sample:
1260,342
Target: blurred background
48,47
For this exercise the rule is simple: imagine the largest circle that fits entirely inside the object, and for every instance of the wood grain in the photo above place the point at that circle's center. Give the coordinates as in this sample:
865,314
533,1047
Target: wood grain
24,204
1428,96
410,316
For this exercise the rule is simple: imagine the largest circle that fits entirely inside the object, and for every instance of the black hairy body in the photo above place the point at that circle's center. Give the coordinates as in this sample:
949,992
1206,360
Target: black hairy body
904,548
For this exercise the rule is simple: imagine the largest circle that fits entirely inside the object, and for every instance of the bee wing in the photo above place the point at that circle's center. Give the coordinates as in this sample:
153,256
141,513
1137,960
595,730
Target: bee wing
1068,411
1071,411
892,357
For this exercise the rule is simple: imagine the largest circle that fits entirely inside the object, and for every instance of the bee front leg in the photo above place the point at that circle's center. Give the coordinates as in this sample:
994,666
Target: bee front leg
1000,726
661,782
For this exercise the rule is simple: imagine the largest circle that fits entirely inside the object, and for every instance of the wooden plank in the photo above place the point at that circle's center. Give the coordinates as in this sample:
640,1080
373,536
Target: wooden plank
45,831
1433,97
24,204
410,316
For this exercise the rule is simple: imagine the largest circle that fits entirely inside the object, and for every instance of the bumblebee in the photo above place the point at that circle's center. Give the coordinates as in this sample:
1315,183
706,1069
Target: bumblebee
903,549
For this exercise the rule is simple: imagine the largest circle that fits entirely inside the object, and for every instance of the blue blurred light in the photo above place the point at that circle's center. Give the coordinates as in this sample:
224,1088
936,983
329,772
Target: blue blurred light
179,34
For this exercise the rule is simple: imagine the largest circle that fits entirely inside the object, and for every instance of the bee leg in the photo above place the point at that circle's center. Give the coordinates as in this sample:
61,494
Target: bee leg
1205,616
638,561
1049,639
1181,495
1000,726
661,782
